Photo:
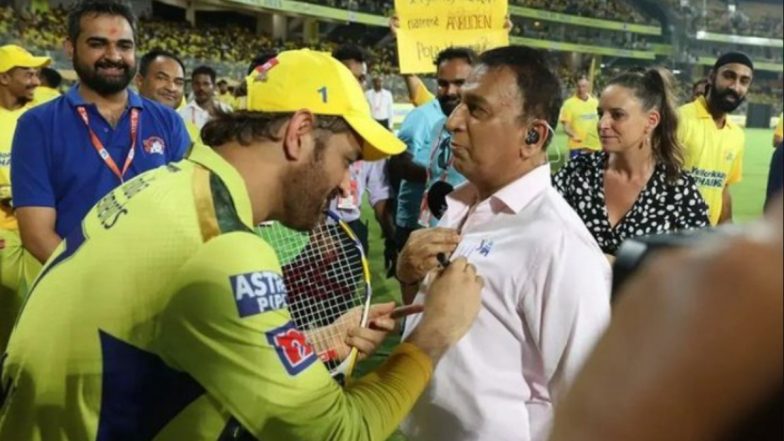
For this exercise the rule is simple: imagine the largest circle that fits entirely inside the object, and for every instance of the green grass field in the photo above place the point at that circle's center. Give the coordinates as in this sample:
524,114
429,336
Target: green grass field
747,196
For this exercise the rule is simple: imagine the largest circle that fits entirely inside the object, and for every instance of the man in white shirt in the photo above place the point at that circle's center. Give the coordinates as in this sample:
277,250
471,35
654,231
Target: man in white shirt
205,104
365,176
382,105
547,284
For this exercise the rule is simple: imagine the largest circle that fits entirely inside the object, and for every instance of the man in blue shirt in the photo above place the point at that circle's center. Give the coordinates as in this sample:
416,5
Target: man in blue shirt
70,152
422,131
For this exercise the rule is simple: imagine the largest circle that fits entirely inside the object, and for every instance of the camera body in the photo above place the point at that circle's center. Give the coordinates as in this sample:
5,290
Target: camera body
634,252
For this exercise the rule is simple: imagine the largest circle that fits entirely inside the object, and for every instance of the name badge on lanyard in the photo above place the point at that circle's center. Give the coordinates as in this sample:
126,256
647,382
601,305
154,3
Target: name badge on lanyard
103,153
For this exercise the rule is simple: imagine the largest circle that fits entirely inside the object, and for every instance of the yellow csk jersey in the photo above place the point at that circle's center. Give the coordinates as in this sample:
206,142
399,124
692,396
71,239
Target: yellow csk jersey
582,119
714,156
228,99
780,127
164,318
8,120
44,94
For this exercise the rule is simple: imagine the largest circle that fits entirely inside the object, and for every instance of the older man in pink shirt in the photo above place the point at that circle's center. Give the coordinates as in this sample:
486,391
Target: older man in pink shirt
547,284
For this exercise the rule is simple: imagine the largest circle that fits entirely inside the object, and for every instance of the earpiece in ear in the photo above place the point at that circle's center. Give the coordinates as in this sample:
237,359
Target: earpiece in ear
532,137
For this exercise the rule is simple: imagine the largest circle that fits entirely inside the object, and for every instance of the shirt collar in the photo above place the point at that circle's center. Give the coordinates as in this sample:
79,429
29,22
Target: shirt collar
701,105
76,100
207,157
512,198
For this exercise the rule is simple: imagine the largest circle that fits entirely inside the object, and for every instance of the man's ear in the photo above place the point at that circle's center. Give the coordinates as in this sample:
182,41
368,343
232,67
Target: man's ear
534,139
138,79
302,123
68,47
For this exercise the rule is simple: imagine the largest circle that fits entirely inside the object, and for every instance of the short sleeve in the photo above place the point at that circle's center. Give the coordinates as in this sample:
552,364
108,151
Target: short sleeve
694,210
736,171
377,181
30,161
180,138
566,114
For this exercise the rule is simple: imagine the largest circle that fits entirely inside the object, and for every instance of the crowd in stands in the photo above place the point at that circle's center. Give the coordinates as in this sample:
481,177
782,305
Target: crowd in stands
618,10
766,22
553,31
229,48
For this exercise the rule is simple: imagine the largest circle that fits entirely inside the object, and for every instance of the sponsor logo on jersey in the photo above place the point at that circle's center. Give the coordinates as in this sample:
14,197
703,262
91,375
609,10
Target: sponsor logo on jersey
292,348
258,292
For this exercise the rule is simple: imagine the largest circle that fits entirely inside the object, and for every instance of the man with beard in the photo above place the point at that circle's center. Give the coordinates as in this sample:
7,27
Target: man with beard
161,78
71,151
18,82
713,144
427,140
185,334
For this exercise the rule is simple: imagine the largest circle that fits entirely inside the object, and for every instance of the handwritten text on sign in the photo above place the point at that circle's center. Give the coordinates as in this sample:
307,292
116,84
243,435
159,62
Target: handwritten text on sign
429,26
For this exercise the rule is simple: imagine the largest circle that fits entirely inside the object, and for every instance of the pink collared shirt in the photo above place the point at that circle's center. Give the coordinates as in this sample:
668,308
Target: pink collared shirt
545,302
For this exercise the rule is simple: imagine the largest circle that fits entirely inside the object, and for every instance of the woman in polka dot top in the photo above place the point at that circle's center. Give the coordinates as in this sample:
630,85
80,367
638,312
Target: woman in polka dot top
636,186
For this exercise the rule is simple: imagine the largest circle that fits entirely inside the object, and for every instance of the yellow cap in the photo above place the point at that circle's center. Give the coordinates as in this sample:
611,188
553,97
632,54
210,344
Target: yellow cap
305,79
12,56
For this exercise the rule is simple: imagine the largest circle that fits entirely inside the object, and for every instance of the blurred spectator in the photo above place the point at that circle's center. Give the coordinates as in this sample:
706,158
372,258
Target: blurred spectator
50,85
381,102
161,78
205,104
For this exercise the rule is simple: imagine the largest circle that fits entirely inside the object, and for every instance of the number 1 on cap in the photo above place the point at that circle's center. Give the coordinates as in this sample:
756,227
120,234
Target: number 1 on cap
323,92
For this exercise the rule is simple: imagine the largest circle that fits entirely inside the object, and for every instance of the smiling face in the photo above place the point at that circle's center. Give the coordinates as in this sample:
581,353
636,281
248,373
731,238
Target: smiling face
104,53
20,82
623,123
164,82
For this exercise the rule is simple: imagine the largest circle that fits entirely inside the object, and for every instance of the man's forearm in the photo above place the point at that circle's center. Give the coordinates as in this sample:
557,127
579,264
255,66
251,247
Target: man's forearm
41,244
402,166
726,206
384,218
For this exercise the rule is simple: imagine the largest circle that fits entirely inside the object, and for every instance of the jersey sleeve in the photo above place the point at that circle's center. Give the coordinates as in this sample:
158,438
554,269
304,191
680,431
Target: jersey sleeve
181,139
566,115
30,165
780,126
228,326
736,171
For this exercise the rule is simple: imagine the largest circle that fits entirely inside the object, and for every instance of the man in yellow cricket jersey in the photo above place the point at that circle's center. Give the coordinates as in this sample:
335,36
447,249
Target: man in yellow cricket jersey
579,119
713,144
18,82
164,316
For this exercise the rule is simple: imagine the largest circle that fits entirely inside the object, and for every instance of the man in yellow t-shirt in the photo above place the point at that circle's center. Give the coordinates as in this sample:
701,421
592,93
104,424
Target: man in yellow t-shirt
778,134
165,316
713,144
225,95
18,81
579,120
50,85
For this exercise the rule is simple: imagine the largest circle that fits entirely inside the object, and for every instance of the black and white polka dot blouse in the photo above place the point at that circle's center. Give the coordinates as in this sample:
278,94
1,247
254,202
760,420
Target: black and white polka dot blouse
661,207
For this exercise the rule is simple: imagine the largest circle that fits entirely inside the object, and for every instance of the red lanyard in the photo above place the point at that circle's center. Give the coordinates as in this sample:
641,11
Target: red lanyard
102,152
